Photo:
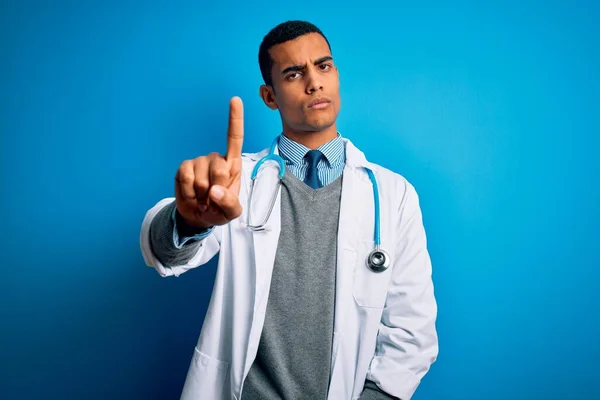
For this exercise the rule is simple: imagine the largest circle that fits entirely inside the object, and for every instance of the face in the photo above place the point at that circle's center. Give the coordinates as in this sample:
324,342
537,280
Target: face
305,84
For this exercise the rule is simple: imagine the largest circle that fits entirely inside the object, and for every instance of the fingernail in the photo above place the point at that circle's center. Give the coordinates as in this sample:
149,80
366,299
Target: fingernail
218,192
202,207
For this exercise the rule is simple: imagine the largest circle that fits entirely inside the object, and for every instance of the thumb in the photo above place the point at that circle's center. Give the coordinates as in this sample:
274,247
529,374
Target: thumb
226,200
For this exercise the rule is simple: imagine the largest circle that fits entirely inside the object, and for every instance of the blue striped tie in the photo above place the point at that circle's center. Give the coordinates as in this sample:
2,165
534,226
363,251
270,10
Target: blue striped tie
312,178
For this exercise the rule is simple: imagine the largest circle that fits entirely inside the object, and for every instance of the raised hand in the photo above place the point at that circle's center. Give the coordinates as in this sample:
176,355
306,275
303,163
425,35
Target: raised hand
207,187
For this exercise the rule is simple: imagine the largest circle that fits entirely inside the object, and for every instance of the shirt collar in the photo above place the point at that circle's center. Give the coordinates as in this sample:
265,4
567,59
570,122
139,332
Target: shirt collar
293,152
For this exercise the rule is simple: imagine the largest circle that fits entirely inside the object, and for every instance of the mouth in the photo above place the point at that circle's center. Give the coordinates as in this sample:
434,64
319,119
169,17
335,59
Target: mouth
318,104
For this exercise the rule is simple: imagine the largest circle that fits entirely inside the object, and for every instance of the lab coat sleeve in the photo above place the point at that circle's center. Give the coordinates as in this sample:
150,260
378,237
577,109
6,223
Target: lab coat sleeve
201,250
407,342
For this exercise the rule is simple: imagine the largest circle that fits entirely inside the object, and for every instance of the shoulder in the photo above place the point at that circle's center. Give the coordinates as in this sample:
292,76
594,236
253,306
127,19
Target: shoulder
249,160
254,157
394,183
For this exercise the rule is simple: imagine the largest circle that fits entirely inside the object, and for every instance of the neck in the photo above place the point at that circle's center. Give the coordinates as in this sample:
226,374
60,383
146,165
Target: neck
312,139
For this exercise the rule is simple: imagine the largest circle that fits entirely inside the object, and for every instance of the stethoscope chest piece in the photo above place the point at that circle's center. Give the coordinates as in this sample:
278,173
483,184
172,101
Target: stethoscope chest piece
378,260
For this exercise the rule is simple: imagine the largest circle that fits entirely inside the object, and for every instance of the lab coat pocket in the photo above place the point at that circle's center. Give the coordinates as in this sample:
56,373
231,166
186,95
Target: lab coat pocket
369,288
206,377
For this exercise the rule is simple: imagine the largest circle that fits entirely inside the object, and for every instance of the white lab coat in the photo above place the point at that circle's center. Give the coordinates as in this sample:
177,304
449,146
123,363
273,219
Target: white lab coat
384,328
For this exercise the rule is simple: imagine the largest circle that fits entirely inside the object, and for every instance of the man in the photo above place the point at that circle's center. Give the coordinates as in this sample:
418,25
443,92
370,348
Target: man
295,311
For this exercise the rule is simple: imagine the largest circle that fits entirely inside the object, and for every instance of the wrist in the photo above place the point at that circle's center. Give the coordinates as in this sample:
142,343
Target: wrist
186,228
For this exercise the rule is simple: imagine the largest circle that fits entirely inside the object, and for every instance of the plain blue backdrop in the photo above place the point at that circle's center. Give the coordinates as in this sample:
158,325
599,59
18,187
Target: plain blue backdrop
491,111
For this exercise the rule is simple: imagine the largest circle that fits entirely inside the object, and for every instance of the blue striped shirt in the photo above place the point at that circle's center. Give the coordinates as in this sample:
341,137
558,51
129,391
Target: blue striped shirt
328,169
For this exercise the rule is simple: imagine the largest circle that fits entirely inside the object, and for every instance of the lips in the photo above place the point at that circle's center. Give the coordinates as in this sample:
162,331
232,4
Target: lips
319,103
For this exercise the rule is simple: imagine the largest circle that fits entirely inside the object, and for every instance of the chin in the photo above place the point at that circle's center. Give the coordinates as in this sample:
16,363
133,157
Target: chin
313,123
319,124
316,127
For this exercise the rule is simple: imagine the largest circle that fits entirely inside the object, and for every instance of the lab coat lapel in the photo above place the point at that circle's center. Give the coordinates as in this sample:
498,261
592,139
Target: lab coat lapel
265,242
356,218
264,249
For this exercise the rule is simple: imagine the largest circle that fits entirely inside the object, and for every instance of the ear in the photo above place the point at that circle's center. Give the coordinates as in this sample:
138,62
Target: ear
268,96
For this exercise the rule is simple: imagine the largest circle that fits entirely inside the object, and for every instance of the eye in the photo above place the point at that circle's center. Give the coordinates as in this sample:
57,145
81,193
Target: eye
325,67
292,76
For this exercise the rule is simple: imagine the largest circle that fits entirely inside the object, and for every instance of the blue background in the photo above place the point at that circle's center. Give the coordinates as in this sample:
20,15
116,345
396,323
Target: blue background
491,111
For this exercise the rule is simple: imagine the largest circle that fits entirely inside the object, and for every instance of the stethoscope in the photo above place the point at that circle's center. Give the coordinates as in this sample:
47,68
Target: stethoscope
377,261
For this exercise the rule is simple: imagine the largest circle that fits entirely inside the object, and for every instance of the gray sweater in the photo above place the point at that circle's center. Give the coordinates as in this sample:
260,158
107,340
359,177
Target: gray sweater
294,352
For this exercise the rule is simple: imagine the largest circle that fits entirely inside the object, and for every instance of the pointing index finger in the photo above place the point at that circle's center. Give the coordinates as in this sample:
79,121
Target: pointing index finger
235,132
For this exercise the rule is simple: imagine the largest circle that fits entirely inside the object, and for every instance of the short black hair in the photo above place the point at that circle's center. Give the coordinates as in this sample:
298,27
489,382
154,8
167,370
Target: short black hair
282,33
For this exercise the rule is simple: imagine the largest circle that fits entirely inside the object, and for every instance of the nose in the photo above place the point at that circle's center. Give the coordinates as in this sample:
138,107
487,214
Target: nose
314,82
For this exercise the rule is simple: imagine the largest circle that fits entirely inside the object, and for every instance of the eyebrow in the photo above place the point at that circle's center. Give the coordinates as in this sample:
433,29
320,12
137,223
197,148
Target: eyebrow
302,67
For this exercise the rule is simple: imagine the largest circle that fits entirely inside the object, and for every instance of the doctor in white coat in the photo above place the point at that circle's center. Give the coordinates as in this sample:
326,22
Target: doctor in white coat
379,331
